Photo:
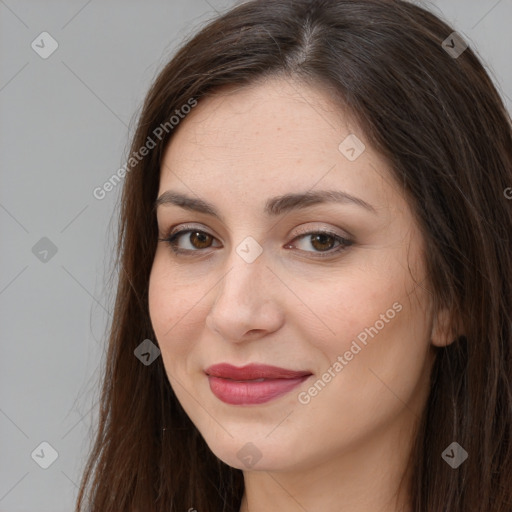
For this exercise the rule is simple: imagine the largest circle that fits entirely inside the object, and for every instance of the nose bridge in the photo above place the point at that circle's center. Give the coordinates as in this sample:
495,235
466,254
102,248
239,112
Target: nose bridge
246,265
242,300
243,281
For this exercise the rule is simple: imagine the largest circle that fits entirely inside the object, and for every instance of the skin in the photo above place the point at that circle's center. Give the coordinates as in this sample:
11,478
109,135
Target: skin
347,447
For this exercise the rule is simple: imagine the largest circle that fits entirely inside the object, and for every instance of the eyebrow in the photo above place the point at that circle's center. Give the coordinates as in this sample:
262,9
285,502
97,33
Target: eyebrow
273,206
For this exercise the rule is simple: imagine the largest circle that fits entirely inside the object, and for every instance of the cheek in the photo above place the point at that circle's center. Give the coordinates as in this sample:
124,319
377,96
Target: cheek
161,302
383,344
360,309
371,369
372,323
171,307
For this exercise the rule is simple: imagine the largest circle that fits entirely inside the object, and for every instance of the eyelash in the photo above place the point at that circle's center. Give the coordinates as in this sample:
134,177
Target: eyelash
344,242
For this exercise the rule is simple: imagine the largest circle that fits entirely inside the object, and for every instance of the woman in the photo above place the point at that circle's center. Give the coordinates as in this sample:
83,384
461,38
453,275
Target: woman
313,308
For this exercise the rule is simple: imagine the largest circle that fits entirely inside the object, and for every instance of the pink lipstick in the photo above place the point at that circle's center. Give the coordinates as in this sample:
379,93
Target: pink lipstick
253,383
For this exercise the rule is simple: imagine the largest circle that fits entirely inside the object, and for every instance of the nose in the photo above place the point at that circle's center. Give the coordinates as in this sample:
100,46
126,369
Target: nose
246,305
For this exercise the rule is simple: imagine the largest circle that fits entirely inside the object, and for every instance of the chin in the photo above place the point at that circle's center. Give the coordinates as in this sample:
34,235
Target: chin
259,454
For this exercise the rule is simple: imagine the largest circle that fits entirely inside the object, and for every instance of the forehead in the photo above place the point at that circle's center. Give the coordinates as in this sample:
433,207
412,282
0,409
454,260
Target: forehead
273,137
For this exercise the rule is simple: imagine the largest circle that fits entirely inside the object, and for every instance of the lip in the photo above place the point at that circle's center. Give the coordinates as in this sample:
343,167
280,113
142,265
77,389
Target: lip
253,383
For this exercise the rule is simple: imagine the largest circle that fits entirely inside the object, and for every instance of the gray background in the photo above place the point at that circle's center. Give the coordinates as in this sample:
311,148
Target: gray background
65,125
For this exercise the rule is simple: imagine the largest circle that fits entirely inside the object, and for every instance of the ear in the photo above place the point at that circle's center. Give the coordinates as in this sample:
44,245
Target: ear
442,333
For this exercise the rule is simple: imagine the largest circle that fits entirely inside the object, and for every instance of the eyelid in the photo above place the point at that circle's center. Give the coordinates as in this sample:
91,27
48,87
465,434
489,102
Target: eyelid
184,227
325,229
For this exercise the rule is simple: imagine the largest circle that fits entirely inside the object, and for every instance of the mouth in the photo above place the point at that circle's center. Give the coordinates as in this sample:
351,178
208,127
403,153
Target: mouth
252,384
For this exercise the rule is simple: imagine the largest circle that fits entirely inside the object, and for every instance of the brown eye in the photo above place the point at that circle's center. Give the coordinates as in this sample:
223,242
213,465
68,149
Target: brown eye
322,241
195,242
199,239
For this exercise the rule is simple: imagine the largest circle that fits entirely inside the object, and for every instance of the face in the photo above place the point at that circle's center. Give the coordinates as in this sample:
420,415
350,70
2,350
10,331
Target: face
332,292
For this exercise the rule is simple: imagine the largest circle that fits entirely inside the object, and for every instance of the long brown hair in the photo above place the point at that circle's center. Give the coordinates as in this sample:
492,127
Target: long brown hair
439,120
